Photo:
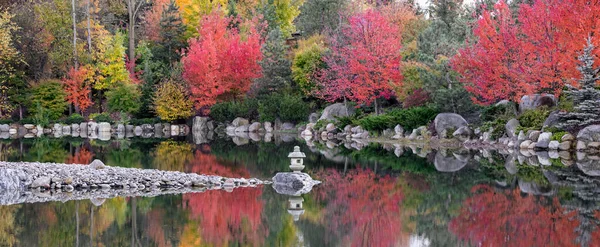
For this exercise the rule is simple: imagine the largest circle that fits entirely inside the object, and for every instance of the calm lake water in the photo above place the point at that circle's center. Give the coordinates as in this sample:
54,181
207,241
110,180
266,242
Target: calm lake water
369,197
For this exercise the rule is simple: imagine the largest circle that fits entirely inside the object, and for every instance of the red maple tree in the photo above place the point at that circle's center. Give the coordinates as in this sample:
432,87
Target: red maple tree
365,60
220,61
78,88
536,52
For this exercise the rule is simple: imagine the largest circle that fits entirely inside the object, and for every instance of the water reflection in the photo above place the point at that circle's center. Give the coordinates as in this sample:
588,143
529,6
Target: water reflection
374,195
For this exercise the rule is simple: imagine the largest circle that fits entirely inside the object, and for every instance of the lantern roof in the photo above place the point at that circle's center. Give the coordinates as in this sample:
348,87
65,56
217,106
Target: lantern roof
296,153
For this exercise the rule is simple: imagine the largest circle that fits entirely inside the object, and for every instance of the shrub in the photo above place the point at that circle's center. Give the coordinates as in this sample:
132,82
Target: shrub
171,102
48,100
268,108
292,109
101,117
407,118
494,112
6,121
227,111
534,119
124,98
498,125
557,136
74,119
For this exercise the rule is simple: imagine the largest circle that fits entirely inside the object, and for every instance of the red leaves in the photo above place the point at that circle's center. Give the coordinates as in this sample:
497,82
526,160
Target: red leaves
365,60
506,218
220,61
78,88
537,53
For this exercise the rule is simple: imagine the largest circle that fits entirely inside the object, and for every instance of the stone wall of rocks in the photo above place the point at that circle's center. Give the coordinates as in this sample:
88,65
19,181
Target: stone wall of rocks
93,130
24,182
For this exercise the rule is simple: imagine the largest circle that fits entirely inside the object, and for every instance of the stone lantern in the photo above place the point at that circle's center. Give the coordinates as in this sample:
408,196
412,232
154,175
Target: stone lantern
295,208
296,160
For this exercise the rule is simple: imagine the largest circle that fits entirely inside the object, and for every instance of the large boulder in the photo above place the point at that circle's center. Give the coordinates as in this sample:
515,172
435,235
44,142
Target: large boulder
293,183
463,133
530,102
239,122
200,124
242,129
511,127
313,117
254,127
288,126
445,121
589,134
336,110
4,127
551,121
103,127
543,140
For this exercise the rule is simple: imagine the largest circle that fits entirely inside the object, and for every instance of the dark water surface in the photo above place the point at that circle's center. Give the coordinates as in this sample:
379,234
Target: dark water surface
369,197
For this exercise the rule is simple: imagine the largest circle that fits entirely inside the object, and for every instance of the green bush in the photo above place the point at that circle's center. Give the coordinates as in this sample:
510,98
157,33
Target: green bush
140,121
493,112
498,125
268,108
227,111
6,121
47,101
124,98
534,119
557,136
101,117
407,118
292,109
74,119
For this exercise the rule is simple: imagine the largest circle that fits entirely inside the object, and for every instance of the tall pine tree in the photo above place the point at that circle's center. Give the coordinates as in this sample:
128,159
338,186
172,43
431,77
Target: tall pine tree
586,99
172,38
275,65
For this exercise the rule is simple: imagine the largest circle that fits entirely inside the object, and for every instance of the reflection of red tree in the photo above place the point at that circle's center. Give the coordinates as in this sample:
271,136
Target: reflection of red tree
206,163
225,218
505,218
83,156
228,218
365,207
155,227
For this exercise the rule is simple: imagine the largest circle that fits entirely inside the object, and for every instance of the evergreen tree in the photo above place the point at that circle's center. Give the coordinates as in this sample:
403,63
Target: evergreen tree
318,16
275,65
586,99
172,31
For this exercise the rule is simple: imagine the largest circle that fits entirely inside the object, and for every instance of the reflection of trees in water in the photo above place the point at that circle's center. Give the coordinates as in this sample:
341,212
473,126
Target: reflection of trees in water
9,230
492,217
81,156
227,219
172,155
361,208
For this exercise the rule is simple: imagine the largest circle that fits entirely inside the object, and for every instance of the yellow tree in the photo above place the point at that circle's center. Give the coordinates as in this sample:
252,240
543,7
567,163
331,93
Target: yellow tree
111,62
172,102
193,10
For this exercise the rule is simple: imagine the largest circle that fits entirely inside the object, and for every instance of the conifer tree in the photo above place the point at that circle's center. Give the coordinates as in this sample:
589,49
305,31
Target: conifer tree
586,99
172,30
275,65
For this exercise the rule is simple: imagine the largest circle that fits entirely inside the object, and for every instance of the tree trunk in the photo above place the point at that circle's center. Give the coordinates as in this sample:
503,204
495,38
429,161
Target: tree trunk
131,9
376,107
74,35
89,28
20,112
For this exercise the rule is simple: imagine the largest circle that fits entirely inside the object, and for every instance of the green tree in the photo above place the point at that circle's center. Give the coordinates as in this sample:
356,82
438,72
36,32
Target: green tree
308,59
48,100
318,16
171,102
123,98
275,65
55,18
172,39
280,13
9,57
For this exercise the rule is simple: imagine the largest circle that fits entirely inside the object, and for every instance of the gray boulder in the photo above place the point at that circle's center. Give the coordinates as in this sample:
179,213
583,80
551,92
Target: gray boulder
239,122
200,124
288,126
4,127
336,110
445,121
543,140
104,127
254,127
531,102
589,133
92,128
313,117
97,164
268,127
242,129
463,133
138,131
293,183
511,127
551,120
43,181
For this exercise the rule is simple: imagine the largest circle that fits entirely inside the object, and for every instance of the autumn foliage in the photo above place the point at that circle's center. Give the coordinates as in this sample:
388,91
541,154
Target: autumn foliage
78,87
532,53
365,60
221,62
506,218
365,205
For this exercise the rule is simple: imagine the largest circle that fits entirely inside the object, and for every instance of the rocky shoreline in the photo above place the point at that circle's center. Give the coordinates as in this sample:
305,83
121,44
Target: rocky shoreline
24,182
